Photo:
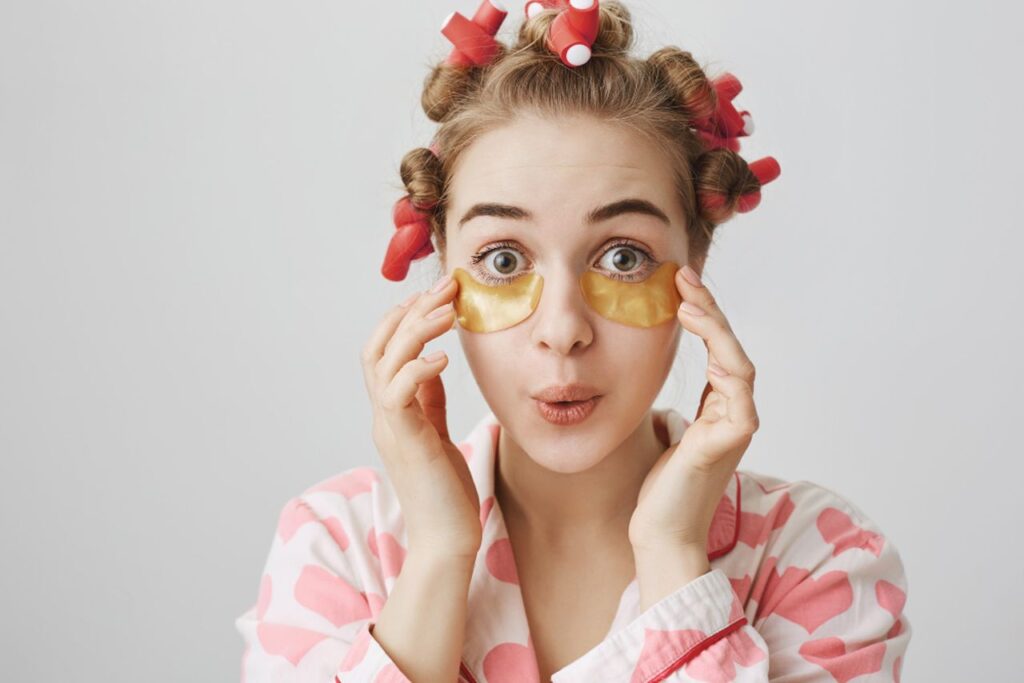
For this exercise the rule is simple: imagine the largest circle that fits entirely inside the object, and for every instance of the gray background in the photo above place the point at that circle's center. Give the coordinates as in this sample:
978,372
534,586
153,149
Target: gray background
195,200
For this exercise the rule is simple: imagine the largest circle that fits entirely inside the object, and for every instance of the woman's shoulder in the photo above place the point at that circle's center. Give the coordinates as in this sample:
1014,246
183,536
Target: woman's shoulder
805,524
350,522
361,497
814,572
764,493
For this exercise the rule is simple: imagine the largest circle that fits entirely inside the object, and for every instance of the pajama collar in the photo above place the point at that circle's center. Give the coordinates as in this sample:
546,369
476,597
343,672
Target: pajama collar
495,609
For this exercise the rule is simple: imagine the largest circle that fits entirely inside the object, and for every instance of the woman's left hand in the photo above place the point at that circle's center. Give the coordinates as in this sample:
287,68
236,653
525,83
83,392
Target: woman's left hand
679,497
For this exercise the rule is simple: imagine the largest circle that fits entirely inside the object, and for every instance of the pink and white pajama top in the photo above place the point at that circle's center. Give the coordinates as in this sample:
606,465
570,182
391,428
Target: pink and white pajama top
803,587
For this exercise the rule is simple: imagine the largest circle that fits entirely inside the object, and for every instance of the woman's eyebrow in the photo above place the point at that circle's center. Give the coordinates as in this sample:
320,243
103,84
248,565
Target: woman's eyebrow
602,213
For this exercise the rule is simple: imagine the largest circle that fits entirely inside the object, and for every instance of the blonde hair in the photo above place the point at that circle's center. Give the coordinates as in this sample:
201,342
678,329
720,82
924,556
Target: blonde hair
659,97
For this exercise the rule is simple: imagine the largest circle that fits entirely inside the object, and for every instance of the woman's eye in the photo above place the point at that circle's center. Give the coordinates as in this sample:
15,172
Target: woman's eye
623,260
498,263
501,263
504,261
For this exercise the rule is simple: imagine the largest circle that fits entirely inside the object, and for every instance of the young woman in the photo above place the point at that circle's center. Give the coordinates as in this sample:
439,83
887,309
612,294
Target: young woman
576,534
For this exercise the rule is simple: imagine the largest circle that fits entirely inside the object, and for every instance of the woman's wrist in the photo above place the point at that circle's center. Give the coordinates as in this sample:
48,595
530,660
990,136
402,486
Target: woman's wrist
663,570
442,556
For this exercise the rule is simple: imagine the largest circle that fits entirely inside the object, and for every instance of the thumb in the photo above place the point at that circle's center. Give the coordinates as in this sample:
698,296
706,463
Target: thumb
433,400
700,406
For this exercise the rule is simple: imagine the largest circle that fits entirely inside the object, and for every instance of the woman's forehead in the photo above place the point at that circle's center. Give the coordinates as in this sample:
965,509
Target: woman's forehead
533,144
559,169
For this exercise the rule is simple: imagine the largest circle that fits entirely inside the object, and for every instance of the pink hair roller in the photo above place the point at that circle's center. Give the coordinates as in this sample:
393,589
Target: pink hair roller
474,38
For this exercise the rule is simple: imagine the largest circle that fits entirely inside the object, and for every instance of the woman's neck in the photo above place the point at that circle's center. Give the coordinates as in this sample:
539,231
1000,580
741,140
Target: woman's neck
562,510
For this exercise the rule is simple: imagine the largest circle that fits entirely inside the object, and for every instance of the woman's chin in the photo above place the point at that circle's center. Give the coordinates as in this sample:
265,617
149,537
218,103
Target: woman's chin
567,450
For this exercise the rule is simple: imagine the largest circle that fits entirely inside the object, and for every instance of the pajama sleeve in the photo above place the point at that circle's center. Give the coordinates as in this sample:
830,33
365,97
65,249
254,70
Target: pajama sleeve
826,605
311,622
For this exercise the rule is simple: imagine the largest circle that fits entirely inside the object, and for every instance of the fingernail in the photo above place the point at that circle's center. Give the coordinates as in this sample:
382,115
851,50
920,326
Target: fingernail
717,369
438,312
441,284
691,276
436,355
690,308
412,297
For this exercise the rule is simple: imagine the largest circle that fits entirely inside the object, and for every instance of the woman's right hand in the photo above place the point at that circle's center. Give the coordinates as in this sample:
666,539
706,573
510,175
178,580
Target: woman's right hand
410,427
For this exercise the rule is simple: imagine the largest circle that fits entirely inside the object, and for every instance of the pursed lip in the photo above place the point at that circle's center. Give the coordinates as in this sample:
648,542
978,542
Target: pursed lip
566,392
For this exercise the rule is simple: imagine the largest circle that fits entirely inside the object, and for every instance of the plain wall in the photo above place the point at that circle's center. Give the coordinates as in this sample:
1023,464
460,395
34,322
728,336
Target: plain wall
195,199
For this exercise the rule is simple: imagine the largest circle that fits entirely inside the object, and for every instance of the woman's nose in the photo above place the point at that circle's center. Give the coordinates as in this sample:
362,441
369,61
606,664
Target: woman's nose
562,319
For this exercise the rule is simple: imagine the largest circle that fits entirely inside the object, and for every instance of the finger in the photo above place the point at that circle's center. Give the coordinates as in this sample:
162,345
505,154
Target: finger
428,301
399,394
374,347
434,402
723,346
712,359
740,411
705,401
415,330
713,328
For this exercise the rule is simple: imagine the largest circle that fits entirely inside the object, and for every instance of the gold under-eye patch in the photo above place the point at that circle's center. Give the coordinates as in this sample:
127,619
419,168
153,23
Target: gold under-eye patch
640,304
483,308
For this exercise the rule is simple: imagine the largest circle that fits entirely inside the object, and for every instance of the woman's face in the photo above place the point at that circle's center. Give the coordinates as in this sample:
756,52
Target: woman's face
547,176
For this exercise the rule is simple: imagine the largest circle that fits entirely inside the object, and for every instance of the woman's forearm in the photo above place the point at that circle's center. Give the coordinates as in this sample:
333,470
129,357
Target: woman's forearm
422,625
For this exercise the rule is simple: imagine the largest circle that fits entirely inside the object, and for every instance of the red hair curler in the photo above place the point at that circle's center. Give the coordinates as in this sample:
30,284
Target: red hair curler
473,39
410,241
726,125
724,128
572,33
766,169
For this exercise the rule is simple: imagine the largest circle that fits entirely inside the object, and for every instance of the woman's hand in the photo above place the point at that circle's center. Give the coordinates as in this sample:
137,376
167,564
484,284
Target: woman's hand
410,428
679,497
